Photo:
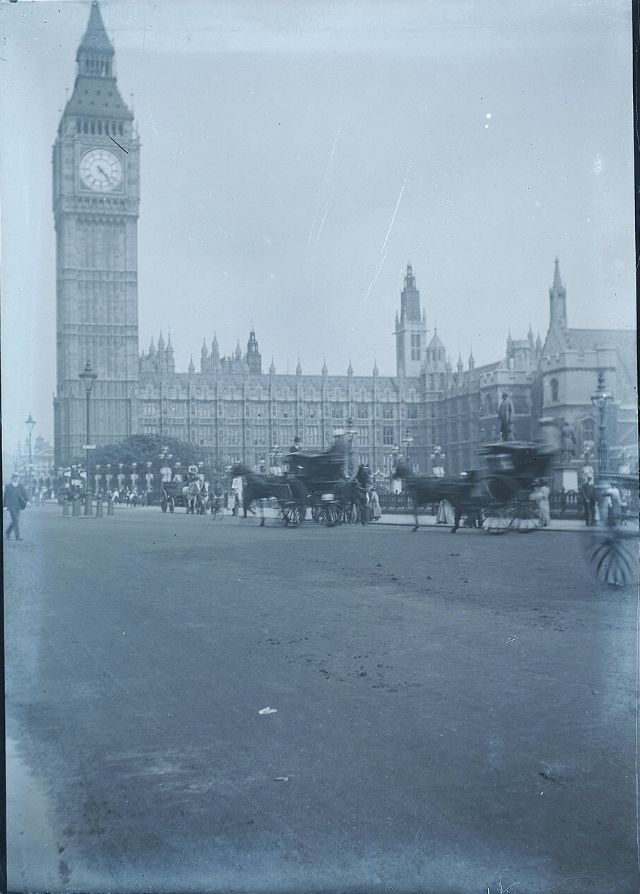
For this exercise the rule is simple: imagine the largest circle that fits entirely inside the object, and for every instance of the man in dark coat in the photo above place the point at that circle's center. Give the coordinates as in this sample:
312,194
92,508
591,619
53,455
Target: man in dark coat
15,500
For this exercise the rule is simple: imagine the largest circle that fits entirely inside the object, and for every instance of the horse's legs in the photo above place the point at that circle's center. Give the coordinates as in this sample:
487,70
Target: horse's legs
417,524
457,513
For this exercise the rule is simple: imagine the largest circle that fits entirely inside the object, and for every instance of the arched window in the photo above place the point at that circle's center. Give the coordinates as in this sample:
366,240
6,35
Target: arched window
588,430
554,390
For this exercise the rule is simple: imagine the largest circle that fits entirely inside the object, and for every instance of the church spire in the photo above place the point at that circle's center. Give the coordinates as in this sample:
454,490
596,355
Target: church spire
557,300
95,53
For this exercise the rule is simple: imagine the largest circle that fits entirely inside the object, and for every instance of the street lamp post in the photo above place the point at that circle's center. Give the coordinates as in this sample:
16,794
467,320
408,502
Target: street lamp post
350,433
30,423
407,442
88,376
599,399
395,453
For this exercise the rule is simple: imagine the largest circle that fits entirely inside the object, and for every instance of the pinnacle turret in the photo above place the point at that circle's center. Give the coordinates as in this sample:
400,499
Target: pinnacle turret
95,37
557,300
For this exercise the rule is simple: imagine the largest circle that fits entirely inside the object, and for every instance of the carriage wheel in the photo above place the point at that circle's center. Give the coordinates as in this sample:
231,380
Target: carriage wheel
163,505
612,558
331,515
497,519
317,513
525,518
172,504
291,515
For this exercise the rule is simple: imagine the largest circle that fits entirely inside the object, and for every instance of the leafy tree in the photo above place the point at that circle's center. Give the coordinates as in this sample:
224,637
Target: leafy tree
142,449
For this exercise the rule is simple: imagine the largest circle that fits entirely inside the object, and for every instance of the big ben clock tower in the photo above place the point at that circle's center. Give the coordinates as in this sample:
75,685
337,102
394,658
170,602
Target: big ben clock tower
96,194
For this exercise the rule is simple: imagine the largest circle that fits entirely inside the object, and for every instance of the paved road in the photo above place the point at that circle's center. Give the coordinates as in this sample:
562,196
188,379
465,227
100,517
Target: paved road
452,713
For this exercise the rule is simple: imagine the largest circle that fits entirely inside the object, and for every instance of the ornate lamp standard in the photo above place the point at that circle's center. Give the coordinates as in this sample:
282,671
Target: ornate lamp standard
407,441
393,462
30,423
599,399
88,376
350,432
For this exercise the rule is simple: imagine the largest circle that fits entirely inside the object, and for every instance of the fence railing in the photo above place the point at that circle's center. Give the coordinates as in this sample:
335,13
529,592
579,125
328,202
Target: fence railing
564,504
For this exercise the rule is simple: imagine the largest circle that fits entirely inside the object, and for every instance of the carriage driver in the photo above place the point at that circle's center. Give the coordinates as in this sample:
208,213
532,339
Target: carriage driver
192,474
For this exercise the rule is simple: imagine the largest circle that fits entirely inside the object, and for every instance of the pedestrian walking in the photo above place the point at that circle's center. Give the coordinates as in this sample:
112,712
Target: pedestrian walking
588,492
15,500
542,495
376,512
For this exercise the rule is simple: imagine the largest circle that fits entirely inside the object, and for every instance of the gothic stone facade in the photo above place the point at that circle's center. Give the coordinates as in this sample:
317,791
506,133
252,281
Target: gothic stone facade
230,407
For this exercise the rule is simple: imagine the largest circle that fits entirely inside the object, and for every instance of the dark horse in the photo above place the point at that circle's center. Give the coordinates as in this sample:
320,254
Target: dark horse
425,489
350,494
262,487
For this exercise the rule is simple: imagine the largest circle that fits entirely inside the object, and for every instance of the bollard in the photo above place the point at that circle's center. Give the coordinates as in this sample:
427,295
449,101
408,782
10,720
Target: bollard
99,508
66,509
76,507
110,508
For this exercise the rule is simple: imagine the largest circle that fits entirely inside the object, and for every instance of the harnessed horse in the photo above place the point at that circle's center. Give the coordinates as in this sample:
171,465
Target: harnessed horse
425,489
191,493
264,487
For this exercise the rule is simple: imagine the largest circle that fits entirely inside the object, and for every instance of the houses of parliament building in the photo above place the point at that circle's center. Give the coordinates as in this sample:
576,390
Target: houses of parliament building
233,408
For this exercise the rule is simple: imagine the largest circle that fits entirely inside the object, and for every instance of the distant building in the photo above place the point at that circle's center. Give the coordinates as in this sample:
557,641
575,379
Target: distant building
230,406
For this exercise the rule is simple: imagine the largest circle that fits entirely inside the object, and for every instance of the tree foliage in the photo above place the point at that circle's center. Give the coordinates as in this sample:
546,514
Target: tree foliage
142,449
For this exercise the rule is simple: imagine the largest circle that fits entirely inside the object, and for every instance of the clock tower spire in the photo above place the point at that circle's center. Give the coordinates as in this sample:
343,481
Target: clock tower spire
96,195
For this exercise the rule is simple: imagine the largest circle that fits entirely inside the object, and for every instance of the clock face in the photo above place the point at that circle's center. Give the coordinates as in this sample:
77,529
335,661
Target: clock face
100,170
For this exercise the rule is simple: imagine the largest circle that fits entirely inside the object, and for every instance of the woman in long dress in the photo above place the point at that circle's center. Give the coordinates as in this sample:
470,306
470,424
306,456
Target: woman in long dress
376,512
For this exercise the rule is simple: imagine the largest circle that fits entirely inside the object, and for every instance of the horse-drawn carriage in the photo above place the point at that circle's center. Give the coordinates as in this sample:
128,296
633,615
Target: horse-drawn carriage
315,482
322,476
498,496
187,494
507,485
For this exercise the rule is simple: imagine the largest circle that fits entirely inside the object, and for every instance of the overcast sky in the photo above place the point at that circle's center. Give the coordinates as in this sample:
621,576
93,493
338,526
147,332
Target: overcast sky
296,155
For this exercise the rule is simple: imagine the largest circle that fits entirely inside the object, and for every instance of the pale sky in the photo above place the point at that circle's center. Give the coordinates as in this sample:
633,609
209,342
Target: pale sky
296,155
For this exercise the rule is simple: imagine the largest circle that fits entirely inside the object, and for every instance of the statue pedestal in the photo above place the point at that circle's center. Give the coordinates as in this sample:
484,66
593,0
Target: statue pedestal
565,477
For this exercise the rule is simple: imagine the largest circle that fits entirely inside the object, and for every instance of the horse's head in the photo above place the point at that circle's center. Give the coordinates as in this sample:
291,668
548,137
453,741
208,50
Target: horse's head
239,470
402,471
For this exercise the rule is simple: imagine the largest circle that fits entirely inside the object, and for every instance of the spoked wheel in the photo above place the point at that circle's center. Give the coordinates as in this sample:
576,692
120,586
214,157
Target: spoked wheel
331,515
163,505
525,518
317,513
613,555
171,504
291,515
497,519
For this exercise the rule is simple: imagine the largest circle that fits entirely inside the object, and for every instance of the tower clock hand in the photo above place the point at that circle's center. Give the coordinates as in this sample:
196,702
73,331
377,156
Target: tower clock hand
104,173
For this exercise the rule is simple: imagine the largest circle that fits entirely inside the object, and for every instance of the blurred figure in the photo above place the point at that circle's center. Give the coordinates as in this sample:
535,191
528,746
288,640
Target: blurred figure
612,505
15,500
588,492
506,413
376,512
542,494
